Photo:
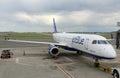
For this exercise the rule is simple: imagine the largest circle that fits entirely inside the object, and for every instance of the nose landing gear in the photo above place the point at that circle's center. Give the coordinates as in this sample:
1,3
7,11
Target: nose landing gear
96,64
79,53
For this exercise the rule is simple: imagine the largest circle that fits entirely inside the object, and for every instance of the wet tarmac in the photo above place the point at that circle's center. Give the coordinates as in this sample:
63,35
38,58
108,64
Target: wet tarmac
33,61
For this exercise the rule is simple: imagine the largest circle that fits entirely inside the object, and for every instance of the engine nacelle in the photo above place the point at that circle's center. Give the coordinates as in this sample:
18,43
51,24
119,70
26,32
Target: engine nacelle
53,50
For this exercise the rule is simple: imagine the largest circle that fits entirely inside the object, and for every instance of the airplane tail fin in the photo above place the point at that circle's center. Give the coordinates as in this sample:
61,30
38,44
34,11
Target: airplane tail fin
54,25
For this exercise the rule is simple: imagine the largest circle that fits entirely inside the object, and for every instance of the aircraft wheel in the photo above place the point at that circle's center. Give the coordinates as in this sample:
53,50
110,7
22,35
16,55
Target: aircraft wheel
96,64
79,52
1,57
115,74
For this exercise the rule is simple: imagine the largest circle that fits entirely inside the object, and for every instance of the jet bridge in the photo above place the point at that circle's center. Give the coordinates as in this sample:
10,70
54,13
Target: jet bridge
118,39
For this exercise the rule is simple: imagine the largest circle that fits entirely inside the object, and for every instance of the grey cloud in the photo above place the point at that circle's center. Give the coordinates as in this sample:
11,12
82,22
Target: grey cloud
44,6
63,8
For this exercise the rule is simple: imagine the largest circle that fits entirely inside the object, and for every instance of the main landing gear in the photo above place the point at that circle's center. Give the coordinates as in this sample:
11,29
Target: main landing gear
55,57
96,64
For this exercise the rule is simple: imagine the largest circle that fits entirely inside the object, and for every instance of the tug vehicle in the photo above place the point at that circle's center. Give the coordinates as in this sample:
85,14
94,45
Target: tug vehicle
6,54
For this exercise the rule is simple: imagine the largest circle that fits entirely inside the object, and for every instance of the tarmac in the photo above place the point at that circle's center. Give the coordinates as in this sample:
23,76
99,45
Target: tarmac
33,61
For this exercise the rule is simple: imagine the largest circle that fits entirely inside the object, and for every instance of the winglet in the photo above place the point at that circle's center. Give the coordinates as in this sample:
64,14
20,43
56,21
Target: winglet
54,24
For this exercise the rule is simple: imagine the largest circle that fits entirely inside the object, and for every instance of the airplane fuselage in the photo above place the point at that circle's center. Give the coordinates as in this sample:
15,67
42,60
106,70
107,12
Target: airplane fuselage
92,44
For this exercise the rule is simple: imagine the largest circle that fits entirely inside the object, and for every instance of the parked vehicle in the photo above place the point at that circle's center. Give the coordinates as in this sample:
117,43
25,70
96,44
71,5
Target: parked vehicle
6,54
116,73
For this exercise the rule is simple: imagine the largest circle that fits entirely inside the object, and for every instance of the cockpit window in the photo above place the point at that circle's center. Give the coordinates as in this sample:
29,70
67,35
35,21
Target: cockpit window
94,42
102,42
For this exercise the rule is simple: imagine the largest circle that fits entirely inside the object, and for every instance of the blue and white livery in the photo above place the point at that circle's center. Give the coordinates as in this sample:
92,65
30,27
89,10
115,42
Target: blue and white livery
94,45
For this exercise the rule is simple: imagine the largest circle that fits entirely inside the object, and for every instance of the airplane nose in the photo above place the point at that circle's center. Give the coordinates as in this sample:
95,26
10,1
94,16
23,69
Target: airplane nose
111,53
114,54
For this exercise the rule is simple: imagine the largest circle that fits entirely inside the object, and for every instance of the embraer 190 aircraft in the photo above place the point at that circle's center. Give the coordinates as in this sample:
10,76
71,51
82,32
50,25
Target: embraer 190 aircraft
95,45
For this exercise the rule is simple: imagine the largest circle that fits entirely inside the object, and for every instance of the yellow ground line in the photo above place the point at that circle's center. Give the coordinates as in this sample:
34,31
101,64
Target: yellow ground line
65,71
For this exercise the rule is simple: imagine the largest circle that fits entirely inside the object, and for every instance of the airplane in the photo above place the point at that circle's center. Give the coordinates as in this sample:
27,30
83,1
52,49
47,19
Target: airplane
91,44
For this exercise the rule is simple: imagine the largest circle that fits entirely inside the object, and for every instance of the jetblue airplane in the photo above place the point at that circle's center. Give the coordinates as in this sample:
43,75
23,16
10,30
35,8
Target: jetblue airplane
95,45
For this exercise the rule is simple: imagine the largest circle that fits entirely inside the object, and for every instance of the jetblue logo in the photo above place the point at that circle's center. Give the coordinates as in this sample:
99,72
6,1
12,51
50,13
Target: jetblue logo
78,40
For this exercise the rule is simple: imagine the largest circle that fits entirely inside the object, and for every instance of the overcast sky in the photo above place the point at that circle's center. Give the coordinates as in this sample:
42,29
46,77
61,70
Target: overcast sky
70,15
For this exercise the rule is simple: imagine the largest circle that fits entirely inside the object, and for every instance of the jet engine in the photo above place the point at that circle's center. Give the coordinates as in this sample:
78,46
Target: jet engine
53,50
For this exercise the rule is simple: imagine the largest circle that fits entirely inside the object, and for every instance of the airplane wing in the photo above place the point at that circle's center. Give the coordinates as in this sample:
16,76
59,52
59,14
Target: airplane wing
111,41
37,42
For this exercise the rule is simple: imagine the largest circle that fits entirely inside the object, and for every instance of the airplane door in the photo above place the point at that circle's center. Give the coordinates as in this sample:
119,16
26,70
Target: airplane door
86,44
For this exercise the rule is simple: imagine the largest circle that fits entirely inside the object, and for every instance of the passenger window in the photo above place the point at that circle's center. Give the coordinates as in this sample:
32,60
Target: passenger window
94,42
